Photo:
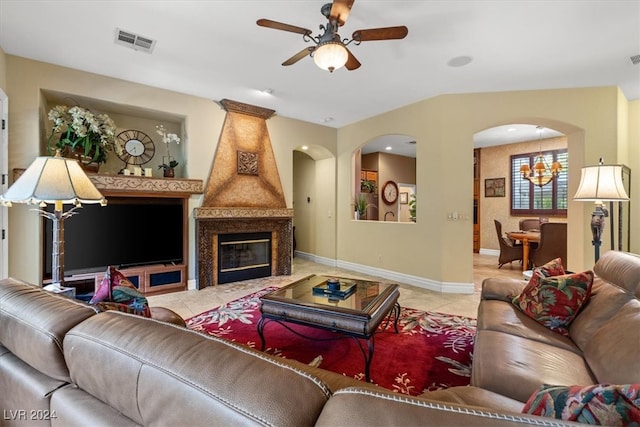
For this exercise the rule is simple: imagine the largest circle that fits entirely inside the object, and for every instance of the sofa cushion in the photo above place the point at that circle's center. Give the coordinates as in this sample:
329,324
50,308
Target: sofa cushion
182,377
620,268
599,404
612,352
514,366
555,301
116,292
505,317
473,396
33,323
605,301
357,407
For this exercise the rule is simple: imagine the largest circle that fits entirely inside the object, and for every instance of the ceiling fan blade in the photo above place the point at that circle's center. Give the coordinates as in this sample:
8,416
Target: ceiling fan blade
340,11
298,56
388,33
280,26
352,62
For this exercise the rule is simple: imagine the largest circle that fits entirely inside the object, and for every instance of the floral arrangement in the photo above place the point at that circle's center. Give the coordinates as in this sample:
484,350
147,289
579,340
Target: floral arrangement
167,138
79,128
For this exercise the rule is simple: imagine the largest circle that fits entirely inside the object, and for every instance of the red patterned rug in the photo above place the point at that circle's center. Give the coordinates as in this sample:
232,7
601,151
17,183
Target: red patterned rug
432,351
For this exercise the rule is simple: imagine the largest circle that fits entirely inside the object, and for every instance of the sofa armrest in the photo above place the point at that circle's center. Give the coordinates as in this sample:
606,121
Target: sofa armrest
500,288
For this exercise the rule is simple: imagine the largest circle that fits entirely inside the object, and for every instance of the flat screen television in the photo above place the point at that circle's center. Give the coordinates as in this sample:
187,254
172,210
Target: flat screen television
127,232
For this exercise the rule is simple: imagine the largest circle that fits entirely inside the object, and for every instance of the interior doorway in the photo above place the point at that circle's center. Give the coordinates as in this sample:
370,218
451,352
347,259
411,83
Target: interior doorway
4,149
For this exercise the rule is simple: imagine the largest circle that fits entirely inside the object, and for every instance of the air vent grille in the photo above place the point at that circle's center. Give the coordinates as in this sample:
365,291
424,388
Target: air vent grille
134,41
635,59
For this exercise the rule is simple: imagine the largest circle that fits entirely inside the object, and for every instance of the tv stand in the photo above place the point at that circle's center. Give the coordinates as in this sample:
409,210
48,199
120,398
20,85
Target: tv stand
149,279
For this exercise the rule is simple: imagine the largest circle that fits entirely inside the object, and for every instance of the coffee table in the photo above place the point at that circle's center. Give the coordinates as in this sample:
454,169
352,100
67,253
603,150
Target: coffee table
356,314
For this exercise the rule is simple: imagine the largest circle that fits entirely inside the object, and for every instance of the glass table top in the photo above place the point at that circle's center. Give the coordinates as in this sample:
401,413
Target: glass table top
353,294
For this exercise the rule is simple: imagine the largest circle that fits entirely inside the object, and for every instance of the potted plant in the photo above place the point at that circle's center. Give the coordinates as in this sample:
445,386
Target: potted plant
412,207
83,135
168,163
361,205
169,171
367,186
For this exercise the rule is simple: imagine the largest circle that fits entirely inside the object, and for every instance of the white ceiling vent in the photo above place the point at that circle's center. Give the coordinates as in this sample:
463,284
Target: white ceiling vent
134,41
635,59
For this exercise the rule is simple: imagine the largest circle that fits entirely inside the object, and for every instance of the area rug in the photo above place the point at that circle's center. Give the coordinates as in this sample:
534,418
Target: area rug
431,351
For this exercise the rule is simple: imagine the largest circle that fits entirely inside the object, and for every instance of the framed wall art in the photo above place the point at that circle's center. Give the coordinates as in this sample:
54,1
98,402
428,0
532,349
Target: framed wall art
494,187
404,198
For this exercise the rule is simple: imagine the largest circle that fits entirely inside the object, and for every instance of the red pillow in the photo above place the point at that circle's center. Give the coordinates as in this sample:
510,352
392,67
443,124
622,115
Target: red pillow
555,301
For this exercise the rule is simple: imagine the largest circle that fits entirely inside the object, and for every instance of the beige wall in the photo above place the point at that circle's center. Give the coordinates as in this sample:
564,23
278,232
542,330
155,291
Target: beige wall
439,248
495,162
634,164
203,122
598,122
3,70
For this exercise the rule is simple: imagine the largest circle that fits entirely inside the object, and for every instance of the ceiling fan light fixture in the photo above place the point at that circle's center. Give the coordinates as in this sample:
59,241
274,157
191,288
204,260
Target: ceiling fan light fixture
330,55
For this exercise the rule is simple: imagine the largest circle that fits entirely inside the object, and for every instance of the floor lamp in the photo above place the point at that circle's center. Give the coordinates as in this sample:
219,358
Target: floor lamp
60,181
599,184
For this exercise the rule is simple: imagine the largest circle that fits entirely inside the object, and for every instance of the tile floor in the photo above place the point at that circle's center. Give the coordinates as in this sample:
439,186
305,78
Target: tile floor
190,303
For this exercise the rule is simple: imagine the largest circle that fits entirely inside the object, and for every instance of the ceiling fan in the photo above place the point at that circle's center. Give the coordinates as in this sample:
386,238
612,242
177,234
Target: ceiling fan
330,52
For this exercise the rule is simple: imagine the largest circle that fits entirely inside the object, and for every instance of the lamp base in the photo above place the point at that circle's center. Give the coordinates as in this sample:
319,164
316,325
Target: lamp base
597,227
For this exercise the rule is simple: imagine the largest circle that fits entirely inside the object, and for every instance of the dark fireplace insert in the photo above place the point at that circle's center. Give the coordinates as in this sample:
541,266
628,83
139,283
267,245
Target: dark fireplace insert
243,256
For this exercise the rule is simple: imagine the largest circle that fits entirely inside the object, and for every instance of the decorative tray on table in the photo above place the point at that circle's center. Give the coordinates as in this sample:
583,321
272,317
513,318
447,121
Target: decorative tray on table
333,288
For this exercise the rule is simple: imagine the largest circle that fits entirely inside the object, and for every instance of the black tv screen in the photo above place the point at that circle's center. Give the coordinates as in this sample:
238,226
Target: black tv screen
128,232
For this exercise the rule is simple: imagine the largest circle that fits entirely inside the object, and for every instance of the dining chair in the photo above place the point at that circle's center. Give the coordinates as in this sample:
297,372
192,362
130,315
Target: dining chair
509,251
527,224
552,245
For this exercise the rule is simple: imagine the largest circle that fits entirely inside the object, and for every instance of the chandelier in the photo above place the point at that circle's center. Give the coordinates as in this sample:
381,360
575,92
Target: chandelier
542,173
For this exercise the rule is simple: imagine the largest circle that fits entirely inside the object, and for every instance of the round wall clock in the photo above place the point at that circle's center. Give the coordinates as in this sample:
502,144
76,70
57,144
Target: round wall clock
138,147
390,192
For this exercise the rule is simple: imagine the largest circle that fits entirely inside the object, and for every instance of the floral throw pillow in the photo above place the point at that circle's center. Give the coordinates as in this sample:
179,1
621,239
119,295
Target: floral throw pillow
555,301
552,268
599,404
116,292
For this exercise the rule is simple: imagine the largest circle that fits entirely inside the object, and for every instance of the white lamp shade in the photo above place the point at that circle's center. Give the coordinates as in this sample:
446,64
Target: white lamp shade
601,183
330,55
51,180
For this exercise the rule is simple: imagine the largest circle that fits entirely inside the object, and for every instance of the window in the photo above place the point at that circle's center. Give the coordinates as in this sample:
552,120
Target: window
529,199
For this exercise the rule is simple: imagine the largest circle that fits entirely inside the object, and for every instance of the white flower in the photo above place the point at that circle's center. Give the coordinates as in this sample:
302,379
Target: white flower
80,127
167,138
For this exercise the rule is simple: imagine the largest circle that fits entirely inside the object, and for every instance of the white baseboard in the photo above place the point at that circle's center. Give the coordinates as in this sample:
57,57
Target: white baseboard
420,282
492,252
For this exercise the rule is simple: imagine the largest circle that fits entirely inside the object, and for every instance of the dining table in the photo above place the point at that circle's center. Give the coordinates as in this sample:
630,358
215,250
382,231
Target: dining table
526,237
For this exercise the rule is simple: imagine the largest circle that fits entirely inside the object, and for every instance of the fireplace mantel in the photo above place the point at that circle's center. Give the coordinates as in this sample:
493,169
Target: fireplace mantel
140,185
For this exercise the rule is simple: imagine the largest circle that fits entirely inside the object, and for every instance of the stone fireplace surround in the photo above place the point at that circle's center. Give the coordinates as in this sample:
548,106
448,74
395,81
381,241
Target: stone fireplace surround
212,222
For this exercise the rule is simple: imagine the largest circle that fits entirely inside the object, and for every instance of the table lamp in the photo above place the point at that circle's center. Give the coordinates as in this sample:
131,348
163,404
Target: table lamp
600,183
60,181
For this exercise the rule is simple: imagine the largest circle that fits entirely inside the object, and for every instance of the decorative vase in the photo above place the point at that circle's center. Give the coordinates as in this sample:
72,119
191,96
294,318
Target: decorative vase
85,161
169,173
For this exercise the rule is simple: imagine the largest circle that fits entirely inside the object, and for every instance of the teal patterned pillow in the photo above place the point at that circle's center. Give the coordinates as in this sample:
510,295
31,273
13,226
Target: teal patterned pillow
599,404
116,292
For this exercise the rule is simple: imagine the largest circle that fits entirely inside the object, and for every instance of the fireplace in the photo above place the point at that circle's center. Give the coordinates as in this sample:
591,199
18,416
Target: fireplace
243,198
243,256
214,225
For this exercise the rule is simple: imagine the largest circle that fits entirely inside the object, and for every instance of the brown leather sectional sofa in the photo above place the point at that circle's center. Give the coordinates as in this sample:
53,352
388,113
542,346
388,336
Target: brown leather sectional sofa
61,363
